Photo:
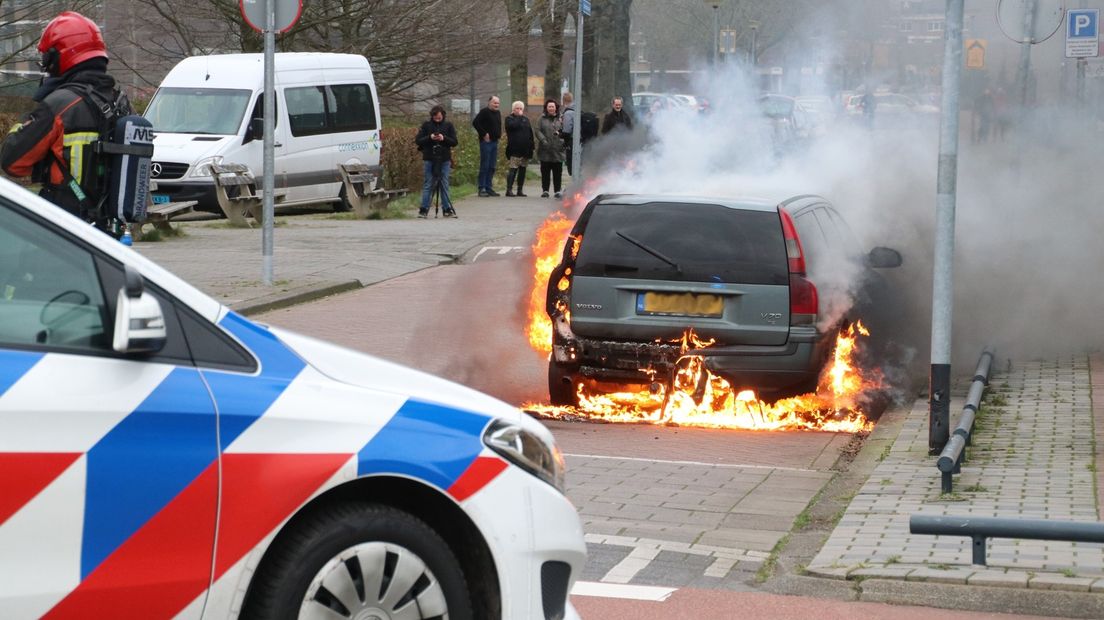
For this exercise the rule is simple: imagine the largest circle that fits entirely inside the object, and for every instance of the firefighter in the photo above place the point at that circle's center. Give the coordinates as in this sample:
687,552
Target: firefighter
53,143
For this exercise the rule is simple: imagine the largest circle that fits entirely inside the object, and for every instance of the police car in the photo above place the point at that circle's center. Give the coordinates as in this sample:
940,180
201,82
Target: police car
162,456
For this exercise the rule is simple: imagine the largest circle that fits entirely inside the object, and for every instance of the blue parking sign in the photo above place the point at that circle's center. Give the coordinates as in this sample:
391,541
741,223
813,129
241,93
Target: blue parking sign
584,7
1082,33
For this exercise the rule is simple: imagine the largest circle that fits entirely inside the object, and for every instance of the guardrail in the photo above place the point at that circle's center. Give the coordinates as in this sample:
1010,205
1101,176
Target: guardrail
980,529
950,460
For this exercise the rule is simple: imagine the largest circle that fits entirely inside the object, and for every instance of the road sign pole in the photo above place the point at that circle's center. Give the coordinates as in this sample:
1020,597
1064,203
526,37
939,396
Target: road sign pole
1025,54
939,412
269,205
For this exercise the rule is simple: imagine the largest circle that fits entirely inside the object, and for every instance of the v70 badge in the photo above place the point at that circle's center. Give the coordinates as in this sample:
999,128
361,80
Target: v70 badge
771,317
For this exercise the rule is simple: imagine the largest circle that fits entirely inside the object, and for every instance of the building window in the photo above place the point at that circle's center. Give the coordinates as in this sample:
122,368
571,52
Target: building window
906,27
935,26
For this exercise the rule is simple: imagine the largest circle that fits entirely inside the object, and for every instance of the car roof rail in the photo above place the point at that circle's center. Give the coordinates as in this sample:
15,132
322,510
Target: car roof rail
787,202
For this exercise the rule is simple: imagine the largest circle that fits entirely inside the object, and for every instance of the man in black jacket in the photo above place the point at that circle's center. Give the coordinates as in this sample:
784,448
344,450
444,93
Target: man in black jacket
488,126
53,144
435,140
617,117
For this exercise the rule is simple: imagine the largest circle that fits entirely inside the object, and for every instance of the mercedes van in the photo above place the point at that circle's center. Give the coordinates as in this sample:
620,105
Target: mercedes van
209,110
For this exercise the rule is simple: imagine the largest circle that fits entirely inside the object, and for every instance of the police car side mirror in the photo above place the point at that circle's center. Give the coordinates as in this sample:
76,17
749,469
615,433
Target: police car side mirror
139,322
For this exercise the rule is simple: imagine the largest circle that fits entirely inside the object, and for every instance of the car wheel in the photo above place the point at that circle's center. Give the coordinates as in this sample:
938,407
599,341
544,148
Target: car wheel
342,205
561,388
360,561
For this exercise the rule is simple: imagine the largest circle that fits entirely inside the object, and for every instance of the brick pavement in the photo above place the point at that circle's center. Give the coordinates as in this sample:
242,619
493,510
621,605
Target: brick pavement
1033,457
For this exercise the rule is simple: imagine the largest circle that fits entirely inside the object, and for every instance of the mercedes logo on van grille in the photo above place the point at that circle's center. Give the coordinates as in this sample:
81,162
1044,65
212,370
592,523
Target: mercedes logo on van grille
155,169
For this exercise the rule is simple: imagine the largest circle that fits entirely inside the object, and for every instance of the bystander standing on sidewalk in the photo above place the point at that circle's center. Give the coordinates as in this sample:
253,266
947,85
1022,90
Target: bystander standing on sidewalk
519,147
617,117
488,126
435,140
550,149
568,115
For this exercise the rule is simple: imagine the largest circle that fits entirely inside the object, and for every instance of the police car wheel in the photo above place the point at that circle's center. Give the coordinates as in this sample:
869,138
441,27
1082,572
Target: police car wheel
342,205
360,561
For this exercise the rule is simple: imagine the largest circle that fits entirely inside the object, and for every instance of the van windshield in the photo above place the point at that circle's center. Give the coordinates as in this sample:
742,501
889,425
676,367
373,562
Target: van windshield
198,110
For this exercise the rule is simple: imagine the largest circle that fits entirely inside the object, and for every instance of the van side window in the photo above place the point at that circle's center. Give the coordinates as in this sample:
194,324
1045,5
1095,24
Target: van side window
354,108
306,108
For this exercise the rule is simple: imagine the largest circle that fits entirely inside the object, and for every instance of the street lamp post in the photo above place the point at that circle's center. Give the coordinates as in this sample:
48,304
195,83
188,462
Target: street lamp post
753,60
716,4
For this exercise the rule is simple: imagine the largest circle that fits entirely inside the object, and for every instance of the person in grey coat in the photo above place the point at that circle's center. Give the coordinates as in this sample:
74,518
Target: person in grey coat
550,148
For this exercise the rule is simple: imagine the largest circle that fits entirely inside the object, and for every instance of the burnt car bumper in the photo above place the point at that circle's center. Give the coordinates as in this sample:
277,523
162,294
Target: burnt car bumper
776,370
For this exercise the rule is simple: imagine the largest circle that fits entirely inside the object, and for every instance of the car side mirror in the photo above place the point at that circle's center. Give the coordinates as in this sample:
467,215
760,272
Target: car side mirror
139,322
884,258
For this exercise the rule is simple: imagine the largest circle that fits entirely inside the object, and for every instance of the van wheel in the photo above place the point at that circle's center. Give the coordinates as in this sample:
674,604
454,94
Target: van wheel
342,205
360,561
561,387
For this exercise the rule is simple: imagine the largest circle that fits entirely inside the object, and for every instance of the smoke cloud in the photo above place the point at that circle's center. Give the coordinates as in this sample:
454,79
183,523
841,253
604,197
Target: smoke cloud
1028,218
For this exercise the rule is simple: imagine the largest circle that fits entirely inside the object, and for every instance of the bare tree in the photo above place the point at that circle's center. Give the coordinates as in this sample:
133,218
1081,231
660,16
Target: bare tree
553,15
673,28
519,25
419,49
606,53
21,25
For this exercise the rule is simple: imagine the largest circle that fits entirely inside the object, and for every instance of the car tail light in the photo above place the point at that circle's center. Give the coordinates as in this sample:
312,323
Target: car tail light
803,294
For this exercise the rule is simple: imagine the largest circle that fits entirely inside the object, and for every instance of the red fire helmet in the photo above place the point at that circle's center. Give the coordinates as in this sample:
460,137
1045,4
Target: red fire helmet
70,39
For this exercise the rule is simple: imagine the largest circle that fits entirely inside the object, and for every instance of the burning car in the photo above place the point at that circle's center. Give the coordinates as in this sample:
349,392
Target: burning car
639,271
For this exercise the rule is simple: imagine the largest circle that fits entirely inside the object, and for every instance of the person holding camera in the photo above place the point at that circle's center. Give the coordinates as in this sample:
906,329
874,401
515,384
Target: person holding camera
435,140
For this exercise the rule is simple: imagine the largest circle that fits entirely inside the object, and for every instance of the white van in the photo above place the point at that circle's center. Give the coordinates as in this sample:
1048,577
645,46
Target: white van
209,109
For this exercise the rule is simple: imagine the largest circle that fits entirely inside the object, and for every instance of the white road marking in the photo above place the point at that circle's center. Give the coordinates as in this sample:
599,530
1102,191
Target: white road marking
616,590
500,250
726,465
637,560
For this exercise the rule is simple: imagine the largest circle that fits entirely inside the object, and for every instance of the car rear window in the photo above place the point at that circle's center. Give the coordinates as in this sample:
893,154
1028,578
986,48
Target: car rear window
708,243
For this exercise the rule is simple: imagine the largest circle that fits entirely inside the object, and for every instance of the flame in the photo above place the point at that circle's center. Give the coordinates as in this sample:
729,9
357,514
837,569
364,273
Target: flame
694,396
547,251
699,398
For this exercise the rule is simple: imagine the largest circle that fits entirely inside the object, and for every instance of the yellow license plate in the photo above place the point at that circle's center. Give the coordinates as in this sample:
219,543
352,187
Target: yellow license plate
680,304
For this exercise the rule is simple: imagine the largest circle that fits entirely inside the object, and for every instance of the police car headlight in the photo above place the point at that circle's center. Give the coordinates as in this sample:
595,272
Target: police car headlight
202,167
526,450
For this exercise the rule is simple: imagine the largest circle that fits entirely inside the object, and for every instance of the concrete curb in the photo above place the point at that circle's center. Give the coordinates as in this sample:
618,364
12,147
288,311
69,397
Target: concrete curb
983,598
294,296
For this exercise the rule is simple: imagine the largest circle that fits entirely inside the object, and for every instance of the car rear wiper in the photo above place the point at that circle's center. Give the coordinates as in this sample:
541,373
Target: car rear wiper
649,250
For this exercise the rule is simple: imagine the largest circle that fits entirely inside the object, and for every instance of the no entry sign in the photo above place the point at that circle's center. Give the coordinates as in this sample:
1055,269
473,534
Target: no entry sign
287,13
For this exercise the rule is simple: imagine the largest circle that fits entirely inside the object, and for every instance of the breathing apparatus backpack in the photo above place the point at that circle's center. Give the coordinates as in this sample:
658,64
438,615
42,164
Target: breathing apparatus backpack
119,186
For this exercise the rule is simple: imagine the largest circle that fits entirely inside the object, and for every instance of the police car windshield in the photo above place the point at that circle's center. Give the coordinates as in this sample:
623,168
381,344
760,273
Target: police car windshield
198,110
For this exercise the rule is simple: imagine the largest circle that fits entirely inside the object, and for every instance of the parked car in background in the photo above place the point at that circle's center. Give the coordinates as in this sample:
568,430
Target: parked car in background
639,270
643,102
166,457
894,110
689,101
822,114
790,124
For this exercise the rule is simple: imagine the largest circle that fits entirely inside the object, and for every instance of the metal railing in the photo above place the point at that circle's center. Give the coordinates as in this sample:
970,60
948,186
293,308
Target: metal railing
950,459
980,529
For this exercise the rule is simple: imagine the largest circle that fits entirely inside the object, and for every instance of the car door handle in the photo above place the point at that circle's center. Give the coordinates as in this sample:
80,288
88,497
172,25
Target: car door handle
278,144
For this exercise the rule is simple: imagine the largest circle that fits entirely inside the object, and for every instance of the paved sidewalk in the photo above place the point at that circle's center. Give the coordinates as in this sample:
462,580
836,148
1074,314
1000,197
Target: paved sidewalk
319,254
1033,457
